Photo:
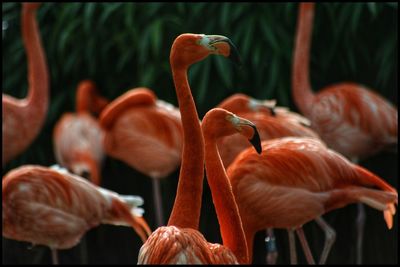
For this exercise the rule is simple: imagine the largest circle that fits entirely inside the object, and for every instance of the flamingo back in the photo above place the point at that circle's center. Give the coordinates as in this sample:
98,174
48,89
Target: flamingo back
353,120
173,245
53,207
148,138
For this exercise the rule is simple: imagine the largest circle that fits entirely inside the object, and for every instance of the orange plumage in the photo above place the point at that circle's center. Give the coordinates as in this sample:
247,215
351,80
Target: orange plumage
55,208
296,180
78,138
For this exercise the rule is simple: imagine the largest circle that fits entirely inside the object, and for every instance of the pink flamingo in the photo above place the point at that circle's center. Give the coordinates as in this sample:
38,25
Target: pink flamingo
272,122
298,179
145,133
24,118
351,119
51,207
180,241
78,138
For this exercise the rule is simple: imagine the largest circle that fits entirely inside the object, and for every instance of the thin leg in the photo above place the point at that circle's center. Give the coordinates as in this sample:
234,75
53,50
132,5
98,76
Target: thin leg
330,237
304,244
157,202
360,223
54,256
83,250
272,252
292,245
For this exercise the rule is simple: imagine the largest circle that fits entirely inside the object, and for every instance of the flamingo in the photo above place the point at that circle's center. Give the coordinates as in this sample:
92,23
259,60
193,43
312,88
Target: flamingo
55,208
351,119
78,138
272,122
180,241
24,118
145,133
298,179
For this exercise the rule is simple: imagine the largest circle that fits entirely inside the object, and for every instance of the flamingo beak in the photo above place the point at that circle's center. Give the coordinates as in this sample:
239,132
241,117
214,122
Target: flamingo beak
255,140
255,137
222,45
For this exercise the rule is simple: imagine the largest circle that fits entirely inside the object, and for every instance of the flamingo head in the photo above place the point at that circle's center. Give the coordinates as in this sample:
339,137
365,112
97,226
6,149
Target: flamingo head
219,122
189,48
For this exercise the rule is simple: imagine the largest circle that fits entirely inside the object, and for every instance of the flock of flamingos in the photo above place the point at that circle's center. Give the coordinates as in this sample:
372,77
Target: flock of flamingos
267,167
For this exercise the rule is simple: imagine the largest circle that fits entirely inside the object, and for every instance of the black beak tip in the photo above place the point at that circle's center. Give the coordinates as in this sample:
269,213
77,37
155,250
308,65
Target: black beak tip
234,54
255,141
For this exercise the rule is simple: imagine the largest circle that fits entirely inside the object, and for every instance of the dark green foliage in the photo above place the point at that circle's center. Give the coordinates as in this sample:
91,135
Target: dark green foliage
126,45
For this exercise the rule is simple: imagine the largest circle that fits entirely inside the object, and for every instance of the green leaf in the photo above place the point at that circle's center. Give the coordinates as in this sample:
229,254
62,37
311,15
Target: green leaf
224,70
88,17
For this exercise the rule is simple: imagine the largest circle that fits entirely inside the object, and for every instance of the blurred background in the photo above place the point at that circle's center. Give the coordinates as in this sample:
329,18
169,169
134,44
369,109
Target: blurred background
125,45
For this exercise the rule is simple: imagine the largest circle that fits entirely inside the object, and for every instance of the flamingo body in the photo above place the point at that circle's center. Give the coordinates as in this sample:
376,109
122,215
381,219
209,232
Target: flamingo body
353,120
55,208
183,246
146,136
296,180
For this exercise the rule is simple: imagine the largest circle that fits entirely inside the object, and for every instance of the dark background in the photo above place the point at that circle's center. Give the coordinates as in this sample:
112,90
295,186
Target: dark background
126,45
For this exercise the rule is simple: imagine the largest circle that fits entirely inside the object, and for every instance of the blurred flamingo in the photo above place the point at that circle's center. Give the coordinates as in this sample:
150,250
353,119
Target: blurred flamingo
24,118
351,119
180,241
78,138
296,180
145,133
272,122
51,207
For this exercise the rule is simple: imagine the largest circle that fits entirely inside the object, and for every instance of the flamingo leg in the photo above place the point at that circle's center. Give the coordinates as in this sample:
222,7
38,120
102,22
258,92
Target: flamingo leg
304,244
292,245
83,250
54,256
157,202
330,237
360,223
272,252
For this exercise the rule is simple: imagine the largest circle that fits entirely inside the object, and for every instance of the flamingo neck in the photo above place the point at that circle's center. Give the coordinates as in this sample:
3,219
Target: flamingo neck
186,209
249,241
38,77
224,201
84,97
301,88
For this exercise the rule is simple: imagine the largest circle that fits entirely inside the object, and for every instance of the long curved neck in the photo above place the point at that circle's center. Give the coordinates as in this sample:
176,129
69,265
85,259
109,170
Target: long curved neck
224,201
301,88
38,76
187,206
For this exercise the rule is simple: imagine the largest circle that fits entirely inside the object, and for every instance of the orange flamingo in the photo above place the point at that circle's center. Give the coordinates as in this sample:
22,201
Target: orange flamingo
145,133
298,179
350,118
24,118
51,207
78,138
180,241
272,122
